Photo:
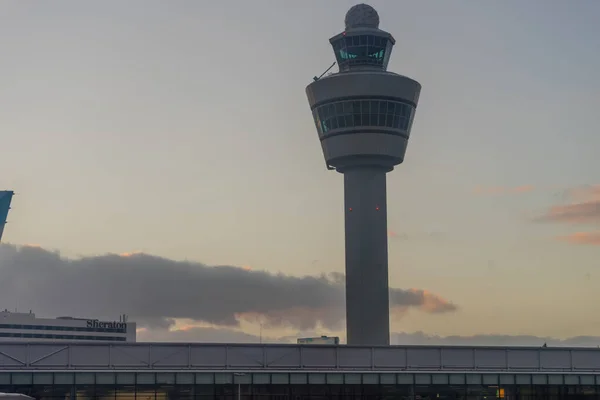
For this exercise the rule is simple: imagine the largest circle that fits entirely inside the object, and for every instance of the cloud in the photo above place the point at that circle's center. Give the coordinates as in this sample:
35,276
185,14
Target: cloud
584,193
422,299
224,335
157,322
500,190
592,238
582,207
576,213
155,291
420,338
206,335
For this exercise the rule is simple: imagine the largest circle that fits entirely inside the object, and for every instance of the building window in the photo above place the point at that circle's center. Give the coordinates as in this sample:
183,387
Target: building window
363,113
65,337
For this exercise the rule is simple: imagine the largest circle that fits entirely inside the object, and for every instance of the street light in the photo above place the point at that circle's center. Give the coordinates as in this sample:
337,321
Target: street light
239,388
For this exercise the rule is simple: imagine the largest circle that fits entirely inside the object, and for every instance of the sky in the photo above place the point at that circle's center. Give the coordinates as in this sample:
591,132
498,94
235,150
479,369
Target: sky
154,142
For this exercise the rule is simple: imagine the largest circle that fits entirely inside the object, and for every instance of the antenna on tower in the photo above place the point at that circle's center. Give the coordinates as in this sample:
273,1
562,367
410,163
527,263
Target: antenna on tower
326,71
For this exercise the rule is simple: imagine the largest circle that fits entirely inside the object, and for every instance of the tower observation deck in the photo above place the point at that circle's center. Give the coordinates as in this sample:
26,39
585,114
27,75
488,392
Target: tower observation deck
363,115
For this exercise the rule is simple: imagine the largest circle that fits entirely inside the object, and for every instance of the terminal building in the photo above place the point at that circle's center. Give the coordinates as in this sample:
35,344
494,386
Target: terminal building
15,326
192,371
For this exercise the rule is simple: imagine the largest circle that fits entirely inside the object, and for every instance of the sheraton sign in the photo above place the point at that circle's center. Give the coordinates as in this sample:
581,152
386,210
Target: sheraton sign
94,323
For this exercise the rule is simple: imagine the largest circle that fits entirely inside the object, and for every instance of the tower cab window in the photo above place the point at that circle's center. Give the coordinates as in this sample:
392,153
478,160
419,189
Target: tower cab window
361,50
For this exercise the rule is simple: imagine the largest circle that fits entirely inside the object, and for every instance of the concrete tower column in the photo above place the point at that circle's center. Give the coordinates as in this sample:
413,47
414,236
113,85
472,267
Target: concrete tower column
367,293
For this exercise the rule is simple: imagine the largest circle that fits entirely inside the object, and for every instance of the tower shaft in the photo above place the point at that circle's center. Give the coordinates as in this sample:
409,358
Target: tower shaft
367,292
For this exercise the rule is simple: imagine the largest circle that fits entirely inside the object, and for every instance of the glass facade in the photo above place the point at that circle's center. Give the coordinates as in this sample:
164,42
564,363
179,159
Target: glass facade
357,50
363,113
62,328
60,332
297,385
62,337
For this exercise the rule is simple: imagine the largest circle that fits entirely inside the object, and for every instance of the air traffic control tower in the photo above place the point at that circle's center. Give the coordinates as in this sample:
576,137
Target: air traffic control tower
5,199
363,115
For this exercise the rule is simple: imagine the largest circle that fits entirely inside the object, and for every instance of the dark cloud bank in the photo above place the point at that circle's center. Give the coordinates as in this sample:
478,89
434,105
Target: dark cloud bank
154,291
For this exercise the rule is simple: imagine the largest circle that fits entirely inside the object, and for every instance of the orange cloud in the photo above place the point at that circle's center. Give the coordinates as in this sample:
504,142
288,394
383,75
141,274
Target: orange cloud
592,238
433,303
576,213
584,193
130,254
499,190
584,207
186,328
423,299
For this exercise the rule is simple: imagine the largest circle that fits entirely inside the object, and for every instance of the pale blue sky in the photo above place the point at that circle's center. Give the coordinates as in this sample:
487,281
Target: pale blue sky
181,129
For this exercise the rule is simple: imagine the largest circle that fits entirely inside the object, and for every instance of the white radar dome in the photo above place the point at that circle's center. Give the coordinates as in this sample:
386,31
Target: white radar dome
362,16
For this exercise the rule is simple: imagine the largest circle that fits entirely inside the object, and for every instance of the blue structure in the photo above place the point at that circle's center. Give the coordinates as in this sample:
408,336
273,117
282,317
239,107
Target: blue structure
5,199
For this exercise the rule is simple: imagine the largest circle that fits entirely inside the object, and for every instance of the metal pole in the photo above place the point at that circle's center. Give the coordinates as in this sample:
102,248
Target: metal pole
239,385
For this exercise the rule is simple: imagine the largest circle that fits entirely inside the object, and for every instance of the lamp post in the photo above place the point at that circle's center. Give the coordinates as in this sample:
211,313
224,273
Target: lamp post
239,385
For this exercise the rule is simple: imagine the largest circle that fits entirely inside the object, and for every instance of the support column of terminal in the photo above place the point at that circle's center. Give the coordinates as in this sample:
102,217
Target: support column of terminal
367,292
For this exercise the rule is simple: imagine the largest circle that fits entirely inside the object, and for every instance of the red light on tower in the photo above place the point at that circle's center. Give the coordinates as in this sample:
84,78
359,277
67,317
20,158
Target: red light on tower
377,208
